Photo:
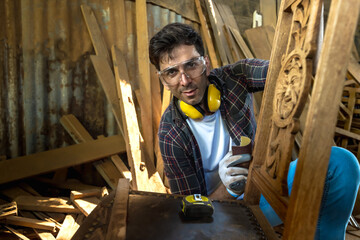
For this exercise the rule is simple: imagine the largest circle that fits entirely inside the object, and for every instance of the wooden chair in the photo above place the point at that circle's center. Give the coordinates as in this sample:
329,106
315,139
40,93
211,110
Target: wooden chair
288,86
126,214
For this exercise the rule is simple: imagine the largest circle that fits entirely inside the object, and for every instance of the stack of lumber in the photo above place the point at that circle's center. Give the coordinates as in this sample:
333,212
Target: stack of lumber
29,215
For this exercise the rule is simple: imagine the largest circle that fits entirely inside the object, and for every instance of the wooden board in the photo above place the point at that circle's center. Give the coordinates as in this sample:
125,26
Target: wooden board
45,204
106,78
17,233
117,224
79,135
143,69
207,37
216,25
27,166
260,41
78,132
44,235
29,222
86,205
69,227
328,93
95,33
142,178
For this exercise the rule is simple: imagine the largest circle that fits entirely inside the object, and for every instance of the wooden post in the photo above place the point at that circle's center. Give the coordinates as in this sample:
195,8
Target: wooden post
144,79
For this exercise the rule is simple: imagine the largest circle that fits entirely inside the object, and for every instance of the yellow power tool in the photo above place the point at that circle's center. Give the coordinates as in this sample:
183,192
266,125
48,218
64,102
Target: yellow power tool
197,206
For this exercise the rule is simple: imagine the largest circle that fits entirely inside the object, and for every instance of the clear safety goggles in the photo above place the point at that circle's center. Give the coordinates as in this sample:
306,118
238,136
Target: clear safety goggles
192,68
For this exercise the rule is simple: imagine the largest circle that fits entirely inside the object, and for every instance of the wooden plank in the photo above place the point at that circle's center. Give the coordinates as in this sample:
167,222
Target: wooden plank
321,120
156,104
259,41
79,134
86,205
69,227
107,80
207,37
235,52
263,222
27,166
142,179
240,41
142,52
8,209
347,133
45,204
43,235
17,233
117,225
45,217
185,8
99,193
95,33
29,222
217,30
354,70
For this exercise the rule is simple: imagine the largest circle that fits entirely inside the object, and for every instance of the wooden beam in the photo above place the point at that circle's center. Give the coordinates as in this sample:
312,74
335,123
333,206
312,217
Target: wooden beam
95,33
8,209
106,78
207,36
17,233
34,164
142,179
258,39
44,235
29,222
86,205
142,52
99,193
45,204
70,225
340,29
79,134
242,44
117,225
216,25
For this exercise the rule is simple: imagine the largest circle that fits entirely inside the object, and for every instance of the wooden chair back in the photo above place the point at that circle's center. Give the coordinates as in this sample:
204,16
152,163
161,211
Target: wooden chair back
290,82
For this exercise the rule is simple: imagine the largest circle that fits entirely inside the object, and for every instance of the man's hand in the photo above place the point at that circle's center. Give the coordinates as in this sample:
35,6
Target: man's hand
234,178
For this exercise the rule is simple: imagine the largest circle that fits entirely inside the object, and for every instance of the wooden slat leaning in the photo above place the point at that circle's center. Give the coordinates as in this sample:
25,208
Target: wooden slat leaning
291,70
43,162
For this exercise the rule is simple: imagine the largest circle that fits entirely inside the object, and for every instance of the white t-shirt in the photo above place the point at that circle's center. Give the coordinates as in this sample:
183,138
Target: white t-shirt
214,141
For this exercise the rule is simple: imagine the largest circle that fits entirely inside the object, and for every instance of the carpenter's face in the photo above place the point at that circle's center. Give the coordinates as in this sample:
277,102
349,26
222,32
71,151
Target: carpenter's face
184,72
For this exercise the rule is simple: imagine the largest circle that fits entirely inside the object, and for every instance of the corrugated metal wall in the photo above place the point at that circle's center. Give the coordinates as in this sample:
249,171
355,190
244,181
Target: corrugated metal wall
46,72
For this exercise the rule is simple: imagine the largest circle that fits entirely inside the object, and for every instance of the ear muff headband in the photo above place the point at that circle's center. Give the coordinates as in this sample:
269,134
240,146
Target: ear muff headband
213,104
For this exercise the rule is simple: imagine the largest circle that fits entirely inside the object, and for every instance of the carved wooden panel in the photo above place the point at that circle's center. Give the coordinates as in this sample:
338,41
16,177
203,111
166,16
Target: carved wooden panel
291,91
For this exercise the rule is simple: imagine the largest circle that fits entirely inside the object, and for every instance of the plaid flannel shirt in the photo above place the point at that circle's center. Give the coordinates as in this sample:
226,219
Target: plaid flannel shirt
180,151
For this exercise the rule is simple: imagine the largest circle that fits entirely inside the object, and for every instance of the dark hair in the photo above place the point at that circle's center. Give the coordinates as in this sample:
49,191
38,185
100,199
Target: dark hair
171,36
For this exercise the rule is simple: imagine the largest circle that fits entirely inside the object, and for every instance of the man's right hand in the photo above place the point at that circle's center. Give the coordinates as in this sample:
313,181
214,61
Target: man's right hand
234,178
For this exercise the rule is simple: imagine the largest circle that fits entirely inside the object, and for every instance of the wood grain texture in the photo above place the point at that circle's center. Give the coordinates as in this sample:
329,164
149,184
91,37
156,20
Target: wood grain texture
110,170
117,224
34,164
207,36
337,45
142,180
143,68
45,204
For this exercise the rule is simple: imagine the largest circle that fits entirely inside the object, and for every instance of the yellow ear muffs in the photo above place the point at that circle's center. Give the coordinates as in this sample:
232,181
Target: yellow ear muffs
213,98
213,102
190,111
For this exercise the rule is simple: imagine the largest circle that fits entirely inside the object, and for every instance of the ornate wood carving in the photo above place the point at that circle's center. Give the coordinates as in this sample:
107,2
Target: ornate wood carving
291,91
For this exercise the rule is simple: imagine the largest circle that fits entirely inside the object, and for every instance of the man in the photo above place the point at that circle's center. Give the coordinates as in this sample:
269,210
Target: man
211,111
